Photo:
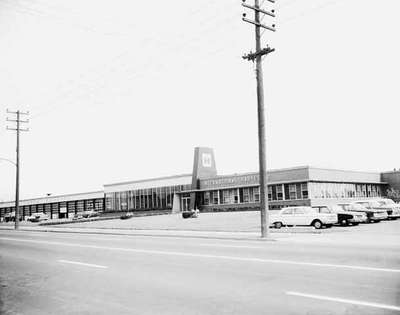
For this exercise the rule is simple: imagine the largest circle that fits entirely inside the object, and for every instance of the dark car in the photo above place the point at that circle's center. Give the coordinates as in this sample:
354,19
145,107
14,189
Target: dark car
190,214
344,217
90,214
126,216
392,209
372,215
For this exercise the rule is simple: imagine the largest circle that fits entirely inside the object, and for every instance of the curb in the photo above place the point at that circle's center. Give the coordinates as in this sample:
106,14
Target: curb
151,235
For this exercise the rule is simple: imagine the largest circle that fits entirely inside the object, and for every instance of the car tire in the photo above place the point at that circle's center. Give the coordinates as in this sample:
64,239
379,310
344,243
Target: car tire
278,225
317,224
344,222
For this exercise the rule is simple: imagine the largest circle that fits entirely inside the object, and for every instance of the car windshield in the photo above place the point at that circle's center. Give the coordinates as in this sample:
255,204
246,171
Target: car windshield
324,210
374,204
357,206
287,211
387,202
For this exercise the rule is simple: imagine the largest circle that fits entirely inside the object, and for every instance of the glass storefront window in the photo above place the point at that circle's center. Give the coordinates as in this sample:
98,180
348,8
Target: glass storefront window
256,192
279,192
206,198
215,199
269,193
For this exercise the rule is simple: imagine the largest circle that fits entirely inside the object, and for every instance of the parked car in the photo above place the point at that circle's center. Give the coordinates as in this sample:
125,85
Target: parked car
32,216
392,209
8,217
77,216
344,217
190,214
372,215
39,217
90,214
127,215
291,216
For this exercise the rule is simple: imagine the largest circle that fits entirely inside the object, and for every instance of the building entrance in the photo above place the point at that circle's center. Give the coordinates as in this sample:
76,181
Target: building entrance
185,202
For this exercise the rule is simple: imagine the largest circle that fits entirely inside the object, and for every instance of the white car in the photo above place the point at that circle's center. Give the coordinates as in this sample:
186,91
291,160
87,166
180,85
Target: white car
37,217
302,216
392,208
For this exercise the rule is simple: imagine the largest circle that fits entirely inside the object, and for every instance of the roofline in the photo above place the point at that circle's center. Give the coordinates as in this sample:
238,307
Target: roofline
342,170
256,173
56,196
391,172
148,180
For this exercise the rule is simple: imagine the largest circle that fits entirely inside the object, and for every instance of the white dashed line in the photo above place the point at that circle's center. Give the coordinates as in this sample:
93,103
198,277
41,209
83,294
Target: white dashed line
198,255
81,264
346,301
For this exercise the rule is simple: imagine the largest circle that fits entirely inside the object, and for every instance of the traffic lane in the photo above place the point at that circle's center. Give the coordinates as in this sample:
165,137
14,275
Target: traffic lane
90,293
281,278
386,257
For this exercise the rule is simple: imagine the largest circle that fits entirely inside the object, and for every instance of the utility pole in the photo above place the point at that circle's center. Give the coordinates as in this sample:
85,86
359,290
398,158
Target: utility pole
257,56
17,128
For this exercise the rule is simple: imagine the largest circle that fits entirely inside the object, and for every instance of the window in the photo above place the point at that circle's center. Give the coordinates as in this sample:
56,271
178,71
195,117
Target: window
279,192
269,193
71,206
292,191
89,205
304,191
98,205
236,195
287,212
206,198
226,196
215,199
109,201
256,191
80,206
299,211
246,195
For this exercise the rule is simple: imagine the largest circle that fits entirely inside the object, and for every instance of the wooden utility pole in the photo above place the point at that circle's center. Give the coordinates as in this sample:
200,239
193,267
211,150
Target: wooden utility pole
17,129
257,56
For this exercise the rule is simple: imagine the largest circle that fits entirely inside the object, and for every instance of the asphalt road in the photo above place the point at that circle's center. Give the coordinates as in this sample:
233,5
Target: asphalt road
60,273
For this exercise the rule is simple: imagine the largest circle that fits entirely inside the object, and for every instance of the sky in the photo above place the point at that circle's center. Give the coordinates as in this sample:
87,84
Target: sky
124,90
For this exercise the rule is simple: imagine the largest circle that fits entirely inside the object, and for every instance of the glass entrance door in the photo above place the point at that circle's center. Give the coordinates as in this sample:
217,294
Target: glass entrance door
185,203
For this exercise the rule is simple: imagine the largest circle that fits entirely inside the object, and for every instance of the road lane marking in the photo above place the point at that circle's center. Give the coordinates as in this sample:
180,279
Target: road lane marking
81,263
236,258
355,302
230,246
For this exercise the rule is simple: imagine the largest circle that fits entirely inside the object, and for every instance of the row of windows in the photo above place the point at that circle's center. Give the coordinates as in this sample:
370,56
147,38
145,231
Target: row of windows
296,191
342,190
252,194
54,209
144,199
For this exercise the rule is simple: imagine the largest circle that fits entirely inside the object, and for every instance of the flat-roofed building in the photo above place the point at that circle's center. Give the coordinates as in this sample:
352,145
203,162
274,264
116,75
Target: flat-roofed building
57,207
206,190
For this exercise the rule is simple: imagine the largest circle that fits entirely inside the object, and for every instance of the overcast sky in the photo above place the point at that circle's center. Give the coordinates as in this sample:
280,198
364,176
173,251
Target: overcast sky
124,90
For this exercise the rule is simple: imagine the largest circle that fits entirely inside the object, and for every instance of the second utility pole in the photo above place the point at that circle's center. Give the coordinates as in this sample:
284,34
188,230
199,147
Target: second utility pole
257,56
261,131
17,129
